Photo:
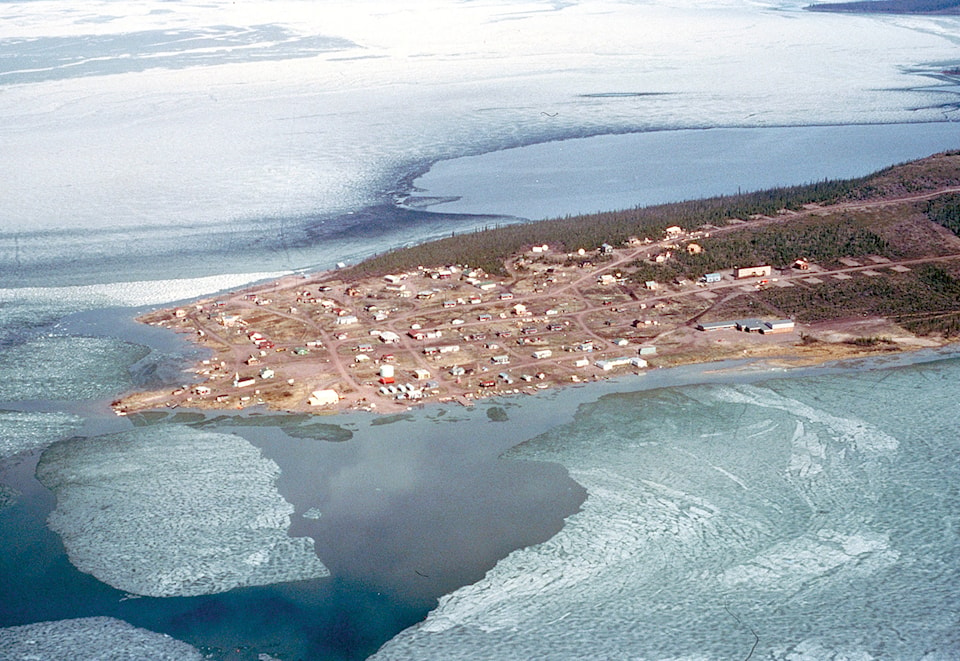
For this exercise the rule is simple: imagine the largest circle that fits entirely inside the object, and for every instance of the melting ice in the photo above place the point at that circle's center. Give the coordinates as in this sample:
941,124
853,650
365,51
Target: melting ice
811,518
171,511
91,638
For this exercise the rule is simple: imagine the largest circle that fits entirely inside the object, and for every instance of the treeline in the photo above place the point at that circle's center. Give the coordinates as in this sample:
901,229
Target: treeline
945,210
823,242
924,301
489,248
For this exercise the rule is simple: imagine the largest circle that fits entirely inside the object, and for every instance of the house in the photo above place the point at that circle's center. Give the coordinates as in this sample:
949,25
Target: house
394,279
421,374
500,360
753,272
648,351
520,310
347,319
543,353
673,231
202,391
323,397
801,264
506,296
651,285
621,342
581,362
267,373
389,337
606,249
694,249
448,348
606,279
243,382
711,277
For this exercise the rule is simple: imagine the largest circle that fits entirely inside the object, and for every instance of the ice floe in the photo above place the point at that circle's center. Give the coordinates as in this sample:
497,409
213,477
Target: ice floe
172,511
723,521
91,639
21,431
64,368
137,293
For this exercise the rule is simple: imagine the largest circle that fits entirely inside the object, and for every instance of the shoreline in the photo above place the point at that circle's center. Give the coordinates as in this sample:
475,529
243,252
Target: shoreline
543,316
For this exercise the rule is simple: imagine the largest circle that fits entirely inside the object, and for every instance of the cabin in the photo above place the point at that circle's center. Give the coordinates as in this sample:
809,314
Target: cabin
243,382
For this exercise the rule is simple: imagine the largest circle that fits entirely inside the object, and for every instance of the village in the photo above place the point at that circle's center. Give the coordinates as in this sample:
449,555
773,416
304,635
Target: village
458,334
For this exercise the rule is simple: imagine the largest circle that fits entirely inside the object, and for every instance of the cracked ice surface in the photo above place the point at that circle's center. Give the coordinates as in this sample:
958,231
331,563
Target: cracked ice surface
171,511
21,431
211,131
818,515
92,639
68,368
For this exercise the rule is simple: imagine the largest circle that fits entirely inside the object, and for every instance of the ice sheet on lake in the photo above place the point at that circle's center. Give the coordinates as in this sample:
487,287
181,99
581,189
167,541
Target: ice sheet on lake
800,515
77,368
210,135
22,431
145,292
171,511
91,639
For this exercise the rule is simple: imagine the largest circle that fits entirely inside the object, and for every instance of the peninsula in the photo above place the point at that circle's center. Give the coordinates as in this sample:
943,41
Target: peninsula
791,276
